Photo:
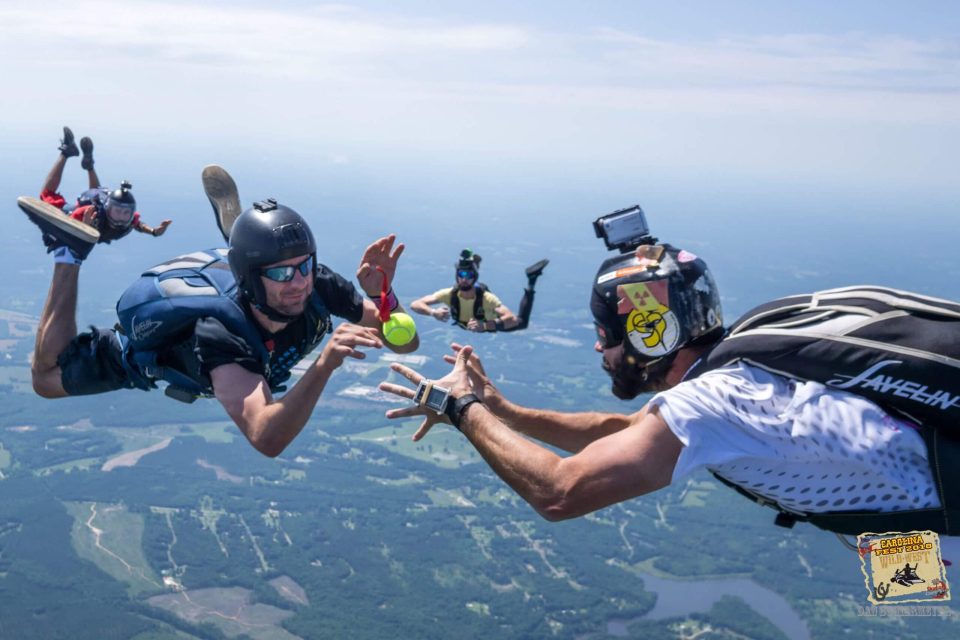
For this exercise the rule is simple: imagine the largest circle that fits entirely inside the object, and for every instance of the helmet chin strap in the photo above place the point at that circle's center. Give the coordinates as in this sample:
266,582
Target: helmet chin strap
630,379
267,310
273,314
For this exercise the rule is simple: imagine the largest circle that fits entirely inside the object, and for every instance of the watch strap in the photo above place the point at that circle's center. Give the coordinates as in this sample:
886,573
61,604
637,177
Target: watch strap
456,407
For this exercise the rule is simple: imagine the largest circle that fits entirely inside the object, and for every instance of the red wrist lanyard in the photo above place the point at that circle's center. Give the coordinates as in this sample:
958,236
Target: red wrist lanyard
384,310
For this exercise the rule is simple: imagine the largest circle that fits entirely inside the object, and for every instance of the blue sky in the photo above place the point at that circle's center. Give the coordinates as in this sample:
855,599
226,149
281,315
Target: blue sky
800,99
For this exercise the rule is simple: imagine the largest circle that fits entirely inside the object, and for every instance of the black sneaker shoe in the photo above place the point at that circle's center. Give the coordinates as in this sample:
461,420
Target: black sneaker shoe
534,270
86,145
59,229
222,192
68,148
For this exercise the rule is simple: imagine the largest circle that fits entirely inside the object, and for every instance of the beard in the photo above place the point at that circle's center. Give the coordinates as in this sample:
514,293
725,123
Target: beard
291,308
465,287
630,380
289,305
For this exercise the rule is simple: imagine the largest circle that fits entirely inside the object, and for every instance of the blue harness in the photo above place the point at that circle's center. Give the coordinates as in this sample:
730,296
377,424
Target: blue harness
163,305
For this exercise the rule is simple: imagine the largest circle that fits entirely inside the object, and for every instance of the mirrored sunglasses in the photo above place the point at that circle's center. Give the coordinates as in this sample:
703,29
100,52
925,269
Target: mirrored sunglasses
286,273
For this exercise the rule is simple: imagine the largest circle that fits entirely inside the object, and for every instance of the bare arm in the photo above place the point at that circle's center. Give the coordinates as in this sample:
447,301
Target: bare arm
630,462
504,315
270,424
568,431
157,231
424,306
626,464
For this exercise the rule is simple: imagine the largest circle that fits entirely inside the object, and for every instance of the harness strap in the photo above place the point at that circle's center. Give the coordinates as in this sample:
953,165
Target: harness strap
478,313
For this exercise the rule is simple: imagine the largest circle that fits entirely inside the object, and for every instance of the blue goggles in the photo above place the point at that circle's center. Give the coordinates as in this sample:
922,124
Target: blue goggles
467,275
286,273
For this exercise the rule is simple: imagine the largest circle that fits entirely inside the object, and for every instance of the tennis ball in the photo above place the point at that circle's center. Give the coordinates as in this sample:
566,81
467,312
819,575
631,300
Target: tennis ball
399,329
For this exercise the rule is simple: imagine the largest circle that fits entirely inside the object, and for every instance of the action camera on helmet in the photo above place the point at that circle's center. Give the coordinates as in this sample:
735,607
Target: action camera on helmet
624,230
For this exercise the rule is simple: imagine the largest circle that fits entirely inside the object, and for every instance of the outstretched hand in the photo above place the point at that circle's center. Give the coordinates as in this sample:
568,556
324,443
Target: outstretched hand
458,381
344,341
379,254
479,380
161,228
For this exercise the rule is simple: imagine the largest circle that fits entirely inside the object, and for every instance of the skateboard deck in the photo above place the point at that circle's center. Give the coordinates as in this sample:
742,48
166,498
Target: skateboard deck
58,218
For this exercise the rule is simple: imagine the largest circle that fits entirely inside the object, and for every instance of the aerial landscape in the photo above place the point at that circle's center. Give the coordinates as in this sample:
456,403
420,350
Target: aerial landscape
794,150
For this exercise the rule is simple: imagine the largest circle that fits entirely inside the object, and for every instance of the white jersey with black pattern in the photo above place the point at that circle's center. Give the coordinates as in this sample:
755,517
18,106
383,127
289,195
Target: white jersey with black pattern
804,445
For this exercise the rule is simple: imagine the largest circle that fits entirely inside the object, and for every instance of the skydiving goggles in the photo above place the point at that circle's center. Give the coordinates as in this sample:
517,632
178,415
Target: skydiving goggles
119,215
287,272
466,274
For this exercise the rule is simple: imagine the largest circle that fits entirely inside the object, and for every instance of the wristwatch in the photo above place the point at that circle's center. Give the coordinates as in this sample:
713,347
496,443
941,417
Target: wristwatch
431,396
455,409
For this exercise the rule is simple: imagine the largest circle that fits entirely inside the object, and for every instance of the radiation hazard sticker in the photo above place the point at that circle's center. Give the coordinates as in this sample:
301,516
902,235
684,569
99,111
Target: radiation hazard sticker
903,567
652,328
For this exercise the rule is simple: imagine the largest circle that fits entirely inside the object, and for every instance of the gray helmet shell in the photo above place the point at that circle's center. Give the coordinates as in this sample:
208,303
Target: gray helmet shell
264,234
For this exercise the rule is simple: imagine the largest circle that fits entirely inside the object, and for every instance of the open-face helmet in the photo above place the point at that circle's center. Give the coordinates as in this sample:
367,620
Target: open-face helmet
655,300
266,233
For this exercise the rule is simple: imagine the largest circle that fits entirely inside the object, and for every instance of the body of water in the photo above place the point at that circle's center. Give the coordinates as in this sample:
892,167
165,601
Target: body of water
680,598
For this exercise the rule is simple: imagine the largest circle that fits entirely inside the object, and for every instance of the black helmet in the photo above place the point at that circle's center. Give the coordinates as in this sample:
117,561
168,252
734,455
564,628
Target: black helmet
119,206
468,261
655,300
266,233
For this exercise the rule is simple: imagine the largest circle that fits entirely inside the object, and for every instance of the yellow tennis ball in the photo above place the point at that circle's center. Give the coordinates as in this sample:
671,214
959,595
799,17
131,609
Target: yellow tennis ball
399,329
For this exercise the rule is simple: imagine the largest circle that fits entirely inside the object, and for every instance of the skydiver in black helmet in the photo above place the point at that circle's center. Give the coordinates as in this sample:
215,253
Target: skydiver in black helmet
470,305
803,404
278,300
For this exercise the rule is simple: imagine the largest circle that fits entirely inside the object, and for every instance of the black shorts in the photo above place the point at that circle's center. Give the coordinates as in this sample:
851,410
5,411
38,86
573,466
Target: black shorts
93,363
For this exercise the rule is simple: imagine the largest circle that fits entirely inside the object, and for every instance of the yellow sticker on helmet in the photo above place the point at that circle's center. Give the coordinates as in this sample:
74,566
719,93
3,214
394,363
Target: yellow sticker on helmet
652,328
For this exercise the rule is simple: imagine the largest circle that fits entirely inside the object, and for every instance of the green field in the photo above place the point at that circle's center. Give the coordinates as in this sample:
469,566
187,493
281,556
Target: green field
117,550
253,620
134,439
443,446
80,464
697,494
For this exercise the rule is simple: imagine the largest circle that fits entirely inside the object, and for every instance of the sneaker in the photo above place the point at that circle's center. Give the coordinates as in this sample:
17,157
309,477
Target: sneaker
68,148
59,229
221,190
86,145
534,270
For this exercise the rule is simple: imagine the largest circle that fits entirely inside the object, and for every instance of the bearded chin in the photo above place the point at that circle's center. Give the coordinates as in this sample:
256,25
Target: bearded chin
466,287
630,380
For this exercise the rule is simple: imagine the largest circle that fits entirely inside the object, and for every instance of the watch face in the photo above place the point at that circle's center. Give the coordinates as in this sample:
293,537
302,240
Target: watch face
436,399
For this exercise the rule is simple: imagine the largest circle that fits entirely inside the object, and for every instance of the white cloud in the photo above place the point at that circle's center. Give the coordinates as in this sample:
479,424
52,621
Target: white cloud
338,76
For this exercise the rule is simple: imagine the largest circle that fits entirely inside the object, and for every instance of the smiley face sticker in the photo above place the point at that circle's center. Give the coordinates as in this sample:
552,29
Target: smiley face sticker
652,328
